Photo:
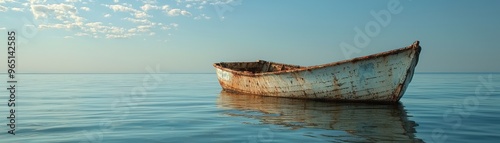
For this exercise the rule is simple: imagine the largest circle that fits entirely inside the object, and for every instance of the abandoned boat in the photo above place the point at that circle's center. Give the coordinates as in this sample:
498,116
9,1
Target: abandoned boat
381,77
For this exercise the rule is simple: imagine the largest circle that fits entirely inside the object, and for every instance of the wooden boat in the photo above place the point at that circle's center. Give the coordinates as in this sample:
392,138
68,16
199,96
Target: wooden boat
381,77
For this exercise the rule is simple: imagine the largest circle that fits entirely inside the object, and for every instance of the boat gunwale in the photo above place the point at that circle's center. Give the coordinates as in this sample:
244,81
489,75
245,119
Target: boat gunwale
414,46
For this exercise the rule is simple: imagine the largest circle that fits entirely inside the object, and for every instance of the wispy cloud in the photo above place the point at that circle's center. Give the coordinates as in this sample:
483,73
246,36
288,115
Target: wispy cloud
17,9
145,16
123,8
4,1
141,21
177,12
60,11
147,7
85,8
3,8
202,16
168,27
71,1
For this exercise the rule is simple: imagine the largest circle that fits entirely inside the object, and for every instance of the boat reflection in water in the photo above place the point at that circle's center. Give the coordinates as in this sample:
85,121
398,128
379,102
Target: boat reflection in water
363,122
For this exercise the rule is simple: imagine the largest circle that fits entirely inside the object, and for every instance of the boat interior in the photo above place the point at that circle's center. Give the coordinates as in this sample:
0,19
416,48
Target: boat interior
260,66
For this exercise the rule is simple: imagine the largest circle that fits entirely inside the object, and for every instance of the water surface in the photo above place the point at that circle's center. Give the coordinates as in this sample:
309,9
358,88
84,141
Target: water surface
191,108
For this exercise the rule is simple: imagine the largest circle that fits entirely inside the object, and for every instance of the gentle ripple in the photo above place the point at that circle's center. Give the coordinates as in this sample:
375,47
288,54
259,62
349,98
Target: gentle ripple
192,108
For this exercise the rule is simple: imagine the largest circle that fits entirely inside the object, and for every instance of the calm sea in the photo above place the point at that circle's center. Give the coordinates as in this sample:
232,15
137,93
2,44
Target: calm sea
118,108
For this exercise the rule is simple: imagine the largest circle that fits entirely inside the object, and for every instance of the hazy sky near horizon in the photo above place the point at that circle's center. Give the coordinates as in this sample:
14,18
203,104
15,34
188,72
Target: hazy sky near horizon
118,36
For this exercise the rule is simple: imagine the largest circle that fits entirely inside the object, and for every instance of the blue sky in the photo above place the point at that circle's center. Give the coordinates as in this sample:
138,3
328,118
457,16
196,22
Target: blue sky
117,36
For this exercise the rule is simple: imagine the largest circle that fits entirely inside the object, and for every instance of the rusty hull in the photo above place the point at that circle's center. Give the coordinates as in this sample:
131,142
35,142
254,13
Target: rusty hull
381,77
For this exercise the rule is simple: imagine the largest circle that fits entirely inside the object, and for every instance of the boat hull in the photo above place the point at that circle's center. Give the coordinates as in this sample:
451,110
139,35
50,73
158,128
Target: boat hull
381,77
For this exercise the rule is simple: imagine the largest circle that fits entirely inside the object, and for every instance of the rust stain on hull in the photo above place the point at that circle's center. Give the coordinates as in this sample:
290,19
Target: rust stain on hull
381,77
